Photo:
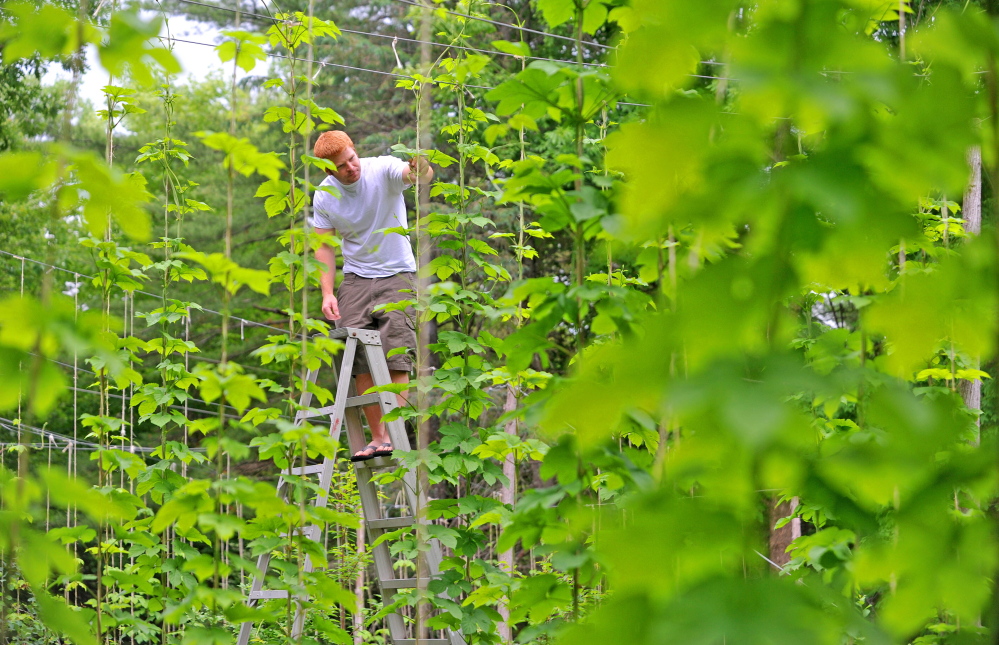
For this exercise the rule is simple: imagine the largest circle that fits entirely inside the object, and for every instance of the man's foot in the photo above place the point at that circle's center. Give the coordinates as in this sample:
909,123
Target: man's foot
384,450
368,452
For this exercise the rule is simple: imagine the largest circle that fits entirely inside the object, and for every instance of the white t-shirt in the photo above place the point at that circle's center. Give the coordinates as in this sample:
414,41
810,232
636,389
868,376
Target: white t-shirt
371,203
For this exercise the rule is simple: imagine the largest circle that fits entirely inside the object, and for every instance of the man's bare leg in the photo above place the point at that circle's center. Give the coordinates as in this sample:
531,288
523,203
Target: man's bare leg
373,413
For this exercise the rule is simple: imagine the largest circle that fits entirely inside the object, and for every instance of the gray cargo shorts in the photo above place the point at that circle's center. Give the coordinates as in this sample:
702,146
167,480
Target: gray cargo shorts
357,297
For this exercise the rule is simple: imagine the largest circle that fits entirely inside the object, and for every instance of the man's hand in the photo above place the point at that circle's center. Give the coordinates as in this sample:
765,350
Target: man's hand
419,165
420,168
330,307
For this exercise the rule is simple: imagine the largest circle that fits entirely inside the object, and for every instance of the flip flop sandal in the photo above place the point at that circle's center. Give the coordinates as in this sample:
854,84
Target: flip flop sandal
384,450
364,457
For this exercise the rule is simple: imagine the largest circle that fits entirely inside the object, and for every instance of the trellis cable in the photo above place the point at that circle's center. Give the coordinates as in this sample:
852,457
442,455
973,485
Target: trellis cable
395,75
12,426
375,71
586,43
410,40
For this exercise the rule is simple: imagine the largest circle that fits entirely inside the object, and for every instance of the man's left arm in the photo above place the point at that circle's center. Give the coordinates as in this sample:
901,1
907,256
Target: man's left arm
418,167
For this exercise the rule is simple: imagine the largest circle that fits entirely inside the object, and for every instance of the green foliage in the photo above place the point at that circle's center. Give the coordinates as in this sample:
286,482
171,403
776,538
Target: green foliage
648,323
47,30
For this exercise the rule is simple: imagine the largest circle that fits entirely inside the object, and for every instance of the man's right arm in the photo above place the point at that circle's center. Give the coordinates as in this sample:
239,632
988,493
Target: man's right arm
327,279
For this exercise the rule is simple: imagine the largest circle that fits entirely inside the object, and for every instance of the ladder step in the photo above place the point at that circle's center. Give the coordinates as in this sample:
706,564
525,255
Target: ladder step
313,413
314,469
403,583
311,531
351,402
391,523
377,463
268,594
363,399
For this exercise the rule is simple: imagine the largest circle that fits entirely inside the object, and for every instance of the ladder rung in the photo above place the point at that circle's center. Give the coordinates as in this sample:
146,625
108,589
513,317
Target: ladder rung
377,462
391,523
402,583
311,531
363,399
268,594
351,402
315,412
305,470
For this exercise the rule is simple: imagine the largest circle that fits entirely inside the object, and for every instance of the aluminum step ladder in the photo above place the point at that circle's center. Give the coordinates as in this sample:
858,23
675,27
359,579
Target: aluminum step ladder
346,410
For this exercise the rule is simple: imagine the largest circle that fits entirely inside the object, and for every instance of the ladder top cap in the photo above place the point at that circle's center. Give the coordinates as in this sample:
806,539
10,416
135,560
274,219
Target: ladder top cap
366,336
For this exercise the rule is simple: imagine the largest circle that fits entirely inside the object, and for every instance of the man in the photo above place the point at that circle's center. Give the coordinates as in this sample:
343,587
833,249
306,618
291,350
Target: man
376,265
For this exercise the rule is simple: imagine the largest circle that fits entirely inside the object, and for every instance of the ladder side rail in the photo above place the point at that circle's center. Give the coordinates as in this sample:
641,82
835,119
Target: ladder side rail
388,401
343,390
417,500
329,463
396,428
298,624
263,563
306,398
371,509
264,559
245,630
326,476
370,505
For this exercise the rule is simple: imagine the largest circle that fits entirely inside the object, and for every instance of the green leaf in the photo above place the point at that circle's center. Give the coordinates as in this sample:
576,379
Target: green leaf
128,46
59,617
206,636
107,191
229,274
24,172
594,16
243,156
519,48
276,192
49,31
244,48
557,12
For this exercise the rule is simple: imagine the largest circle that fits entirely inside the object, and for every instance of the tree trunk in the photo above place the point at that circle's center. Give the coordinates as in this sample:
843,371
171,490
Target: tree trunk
508,494
972,208
781,538
971,391
423,371
359,586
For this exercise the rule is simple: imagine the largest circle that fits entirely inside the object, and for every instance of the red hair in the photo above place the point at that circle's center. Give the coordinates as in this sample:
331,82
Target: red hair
331,143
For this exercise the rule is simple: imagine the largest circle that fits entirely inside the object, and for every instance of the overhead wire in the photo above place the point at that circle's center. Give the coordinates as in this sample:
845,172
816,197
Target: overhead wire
384,73
435,44
400,38
586,43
